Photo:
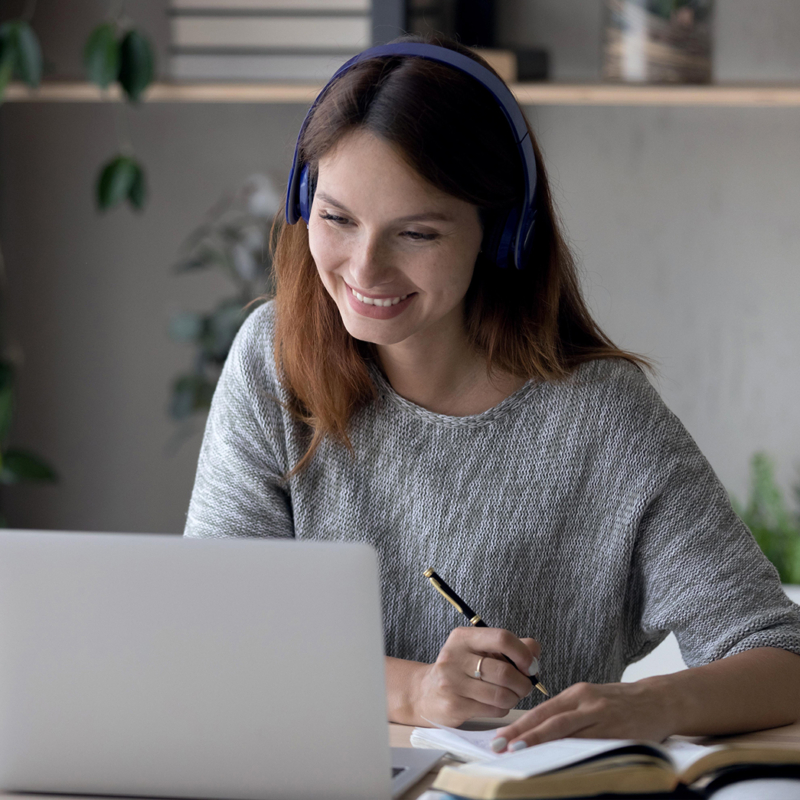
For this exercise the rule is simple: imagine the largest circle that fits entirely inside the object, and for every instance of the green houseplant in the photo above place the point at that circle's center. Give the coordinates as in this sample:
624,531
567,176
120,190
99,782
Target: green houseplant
234,238
775,527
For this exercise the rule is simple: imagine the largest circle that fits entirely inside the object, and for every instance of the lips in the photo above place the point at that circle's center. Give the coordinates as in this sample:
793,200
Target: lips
378,301
390,306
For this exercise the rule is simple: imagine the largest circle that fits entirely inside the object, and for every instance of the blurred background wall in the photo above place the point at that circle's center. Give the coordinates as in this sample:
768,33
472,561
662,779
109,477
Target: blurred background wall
684,222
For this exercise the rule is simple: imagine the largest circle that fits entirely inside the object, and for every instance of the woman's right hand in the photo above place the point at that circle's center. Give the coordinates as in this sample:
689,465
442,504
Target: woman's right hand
447,692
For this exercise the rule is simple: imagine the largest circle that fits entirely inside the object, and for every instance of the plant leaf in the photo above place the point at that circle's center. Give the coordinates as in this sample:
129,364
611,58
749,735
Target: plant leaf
190,393
101,55
203,256
115,181
186,327
793,571
196,237
6,410
223,324
6,67
6,397
6,374
770,521
137,194
21,466
136,64
28,60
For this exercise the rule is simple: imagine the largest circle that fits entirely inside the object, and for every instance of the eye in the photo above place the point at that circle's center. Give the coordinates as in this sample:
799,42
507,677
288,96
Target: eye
337,220
415,236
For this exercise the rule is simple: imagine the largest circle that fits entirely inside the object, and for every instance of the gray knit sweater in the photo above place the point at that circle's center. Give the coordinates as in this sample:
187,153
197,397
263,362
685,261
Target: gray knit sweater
580,513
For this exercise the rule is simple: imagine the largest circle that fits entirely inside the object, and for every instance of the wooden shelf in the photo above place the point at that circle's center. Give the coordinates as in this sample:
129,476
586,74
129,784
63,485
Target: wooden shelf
562,94
168,93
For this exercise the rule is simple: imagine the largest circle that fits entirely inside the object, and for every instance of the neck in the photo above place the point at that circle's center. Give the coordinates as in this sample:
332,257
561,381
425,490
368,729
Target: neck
445,375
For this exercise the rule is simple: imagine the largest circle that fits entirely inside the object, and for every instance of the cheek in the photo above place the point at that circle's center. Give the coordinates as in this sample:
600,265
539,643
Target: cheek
456,275
325,247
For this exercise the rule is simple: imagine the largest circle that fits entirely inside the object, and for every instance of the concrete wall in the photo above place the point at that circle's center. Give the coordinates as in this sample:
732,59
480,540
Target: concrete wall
684,221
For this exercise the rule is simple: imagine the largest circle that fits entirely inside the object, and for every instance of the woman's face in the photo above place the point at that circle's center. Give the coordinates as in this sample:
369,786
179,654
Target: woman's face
395,253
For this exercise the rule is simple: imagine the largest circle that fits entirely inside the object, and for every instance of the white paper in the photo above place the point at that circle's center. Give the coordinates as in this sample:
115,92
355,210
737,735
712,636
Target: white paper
684,754
476,746
472,745
549,756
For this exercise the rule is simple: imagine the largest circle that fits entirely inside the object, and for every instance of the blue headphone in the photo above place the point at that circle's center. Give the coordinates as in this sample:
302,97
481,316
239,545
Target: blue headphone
511,237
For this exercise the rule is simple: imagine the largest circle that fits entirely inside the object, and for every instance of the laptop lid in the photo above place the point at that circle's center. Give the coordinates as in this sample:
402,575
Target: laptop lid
163,666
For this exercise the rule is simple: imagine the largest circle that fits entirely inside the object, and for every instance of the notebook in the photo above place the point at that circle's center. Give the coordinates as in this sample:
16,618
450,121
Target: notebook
149,665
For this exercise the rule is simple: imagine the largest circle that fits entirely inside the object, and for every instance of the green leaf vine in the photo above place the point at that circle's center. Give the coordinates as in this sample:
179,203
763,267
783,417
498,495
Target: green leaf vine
115,52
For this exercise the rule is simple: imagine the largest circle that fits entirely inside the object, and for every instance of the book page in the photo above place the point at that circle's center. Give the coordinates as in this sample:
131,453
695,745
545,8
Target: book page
474,745
684,754
551,756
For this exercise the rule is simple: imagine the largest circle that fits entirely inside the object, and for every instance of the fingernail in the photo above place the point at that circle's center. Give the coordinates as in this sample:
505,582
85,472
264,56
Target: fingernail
518,745
498,744
533,669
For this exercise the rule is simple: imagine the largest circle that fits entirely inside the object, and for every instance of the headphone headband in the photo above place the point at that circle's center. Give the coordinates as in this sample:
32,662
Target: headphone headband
514,232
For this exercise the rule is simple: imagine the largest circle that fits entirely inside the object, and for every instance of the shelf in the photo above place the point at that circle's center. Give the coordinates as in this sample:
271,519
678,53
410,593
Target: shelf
57,92
563,94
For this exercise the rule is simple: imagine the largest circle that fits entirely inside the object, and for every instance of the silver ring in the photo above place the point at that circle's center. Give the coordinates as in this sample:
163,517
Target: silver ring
477,673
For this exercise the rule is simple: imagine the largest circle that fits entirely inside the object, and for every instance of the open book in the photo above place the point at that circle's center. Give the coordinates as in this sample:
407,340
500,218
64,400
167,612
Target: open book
467,745
584,767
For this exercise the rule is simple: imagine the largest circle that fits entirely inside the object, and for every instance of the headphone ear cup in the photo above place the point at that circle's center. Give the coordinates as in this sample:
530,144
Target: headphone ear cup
499,237
308,184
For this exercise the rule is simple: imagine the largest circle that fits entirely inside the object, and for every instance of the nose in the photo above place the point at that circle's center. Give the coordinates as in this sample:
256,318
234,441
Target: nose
371,262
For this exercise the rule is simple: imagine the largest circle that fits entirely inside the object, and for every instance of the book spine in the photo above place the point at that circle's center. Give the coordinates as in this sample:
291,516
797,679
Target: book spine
319,32
266,40
272,5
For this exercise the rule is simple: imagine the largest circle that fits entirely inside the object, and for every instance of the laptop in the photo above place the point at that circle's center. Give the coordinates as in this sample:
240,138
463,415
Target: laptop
154,665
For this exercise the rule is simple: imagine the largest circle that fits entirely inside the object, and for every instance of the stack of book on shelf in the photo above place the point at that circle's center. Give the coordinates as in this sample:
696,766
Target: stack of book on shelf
266,40
589,767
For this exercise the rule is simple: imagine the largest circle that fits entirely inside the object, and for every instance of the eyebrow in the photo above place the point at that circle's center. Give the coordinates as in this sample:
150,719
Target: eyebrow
434,215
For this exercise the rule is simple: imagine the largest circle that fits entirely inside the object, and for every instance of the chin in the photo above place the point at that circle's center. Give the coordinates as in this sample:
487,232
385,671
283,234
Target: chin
378,334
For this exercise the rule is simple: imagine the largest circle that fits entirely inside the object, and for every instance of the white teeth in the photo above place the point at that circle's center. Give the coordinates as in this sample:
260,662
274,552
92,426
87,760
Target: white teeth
370,301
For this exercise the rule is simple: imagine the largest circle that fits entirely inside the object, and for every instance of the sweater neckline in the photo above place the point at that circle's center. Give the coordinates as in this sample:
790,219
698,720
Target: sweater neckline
503,408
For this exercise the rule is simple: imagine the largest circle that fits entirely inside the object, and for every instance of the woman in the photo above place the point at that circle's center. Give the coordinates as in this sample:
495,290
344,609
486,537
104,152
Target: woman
404,390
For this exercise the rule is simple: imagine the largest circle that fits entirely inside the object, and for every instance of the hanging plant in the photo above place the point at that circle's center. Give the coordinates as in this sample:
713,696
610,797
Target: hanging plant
117,52
21,59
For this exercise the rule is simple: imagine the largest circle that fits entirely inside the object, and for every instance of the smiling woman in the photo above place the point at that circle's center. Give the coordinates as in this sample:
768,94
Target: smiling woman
413,168
370,261
429,380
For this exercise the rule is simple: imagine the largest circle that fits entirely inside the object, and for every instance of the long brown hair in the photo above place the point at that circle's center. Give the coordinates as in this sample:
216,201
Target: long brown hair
531,323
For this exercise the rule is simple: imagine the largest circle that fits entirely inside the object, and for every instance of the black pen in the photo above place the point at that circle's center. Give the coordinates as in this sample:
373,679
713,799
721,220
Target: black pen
474,620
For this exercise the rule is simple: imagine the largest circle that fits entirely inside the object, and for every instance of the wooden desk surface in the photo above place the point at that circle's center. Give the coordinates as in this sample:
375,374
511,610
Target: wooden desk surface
400,735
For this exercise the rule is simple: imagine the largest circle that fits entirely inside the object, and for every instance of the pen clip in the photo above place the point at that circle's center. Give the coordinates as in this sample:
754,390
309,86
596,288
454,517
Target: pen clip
445,595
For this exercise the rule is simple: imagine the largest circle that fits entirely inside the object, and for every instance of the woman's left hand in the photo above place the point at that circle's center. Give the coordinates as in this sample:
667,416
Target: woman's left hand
594,711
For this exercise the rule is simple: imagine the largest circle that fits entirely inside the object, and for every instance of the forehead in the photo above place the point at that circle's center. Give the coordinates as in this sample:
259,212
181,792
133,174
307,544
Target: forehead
366,165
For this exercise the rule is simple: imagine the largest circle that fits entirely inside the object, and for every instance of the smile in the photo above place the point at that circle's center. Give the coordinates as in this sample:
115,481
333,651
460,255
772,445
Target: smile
377,301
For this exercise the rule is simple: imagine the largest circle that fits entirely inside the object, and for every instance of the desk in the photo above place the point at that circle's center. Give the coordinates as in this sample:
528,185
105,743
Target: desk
399,736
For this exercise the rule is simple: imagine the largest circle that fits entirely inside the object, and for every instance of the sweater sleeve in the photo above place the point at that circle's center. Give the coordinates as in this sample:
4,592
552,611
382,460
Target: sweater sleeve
697,570
238,489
